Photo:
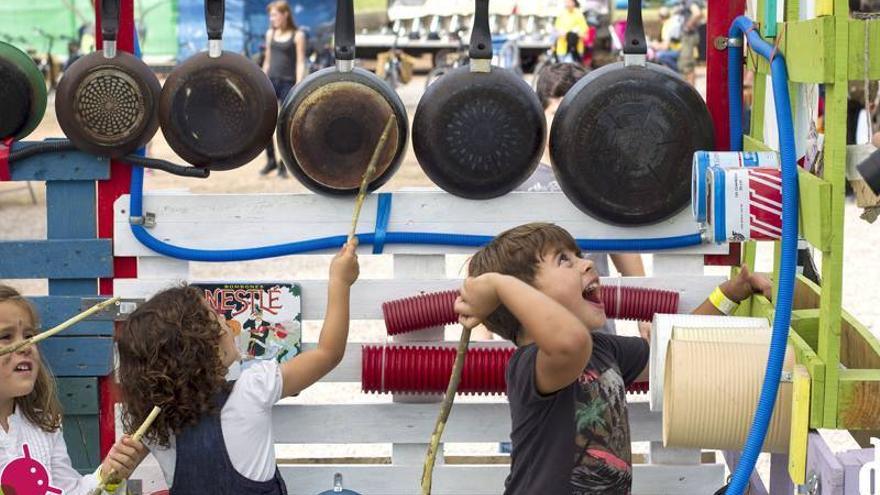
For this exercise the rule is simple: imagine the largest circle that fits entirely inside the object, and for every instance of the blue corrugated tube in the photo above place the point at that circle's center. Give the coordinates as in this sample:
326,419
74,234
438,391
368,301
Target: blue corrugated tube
334,242
782,319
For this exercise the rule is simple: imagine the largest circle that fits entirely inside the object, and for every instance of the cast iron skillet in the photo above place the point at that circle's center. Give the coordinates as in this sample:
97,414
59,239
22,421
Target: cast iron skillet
331,122
479,131
22,93
624,136
217,109
106,102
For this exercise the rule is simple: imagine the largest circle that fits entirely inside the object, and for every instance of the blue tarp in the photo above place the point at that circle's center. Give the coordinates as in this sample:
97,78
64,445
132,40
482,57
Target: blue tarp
247,22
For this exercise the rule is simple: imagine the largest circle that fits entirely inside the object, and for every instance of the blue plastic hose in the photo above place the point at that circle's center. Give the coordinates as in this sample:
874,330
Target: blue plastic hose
334,242
787,264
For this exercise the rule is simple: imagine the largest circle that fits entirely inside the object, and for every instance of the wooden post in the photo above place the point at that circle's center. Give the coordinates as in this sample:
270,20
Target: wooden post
108,191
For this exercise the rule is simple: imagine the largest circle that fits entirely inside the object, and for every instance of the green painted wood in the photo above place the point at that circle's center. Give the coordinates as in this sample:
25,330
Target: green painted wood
815,210
752,144
805,355
856,65
78,395
808,50
806,323
859,400
81,437
768,20
832,258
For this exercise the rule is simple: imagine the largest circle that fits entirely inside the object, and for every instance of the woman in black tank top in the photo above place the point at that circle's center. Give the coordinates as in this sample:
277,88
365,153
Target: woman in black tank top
284,63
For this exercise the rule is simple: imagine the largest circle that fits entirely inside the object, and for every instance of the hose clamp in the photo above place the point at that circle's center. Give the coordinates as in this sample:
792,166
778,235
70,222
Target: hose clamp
148,220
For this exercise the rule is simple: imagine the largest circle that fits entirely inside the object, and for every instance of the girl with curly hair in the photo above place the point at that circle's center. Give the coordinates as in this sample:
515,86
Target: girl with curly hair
215,436
30,414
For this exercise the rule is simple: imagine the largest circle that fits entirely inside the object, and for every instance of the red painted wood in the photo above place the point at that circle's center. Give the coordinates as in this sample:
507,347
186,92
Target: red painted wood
721,15
108,191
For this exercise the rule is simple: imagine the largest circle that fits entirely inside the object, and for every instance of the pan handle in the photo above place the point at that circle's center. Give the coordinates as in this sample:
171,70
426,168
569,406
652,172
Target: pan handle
109,26
215,15
635,47
344,35
481,37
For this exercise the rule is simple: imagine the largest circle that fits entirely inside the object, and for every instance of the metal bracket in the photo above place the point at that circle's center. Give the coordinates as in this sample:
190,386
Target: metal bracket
733,42
115,312
811,487
786,376
148,220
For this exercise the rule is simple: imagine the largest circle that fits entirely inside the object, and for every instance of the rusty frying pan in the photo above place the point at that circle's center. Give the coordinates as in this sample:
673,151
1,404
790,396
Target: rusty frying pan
217,109
330,122
479,131
22,93
624,137
106,102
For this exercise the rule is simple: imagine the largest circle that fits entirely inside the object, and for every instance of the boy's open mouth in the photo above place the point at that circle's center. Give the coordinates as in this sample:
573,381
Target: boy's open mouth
593,293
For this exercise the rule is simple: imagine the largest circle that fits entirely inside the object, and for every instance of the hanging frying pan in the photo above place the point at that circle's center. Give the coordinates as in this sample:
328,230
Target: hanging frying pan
331,121
624,136
106,102
479,131
22,93
217,109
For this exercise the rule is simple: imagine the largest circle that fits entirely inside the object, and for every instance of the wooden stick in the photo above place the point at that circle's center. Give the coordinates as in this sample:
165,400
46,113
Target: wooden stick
445,409
48,333
368,174
137,438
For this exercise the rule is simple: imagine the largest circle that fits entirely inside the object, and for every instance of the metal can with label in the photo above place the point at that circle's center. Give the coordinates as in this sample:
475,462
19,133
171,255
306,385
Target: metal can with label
703,160
744,204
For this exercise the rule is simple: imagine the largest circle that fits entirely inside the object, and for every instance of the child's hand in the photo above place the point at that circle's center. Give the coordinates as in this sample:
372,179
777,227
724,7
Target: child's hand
122,459
745,284
478,299
344,268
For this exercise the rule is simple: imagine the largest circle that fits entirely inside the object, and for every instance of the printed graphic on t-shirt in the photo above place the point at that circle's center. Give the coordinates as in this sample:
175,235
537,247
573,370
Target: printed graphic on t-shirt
602,443
26,476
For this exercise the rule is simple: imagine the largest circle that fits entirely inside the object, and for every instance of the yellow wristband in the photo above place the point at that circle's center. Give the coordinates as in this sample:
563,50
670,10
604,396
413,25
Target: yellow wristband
721,302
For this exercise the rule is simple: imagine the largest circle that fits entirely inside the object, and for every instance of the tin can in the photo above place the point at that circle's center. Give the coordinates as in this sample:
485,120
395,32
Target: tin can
744,204
703,160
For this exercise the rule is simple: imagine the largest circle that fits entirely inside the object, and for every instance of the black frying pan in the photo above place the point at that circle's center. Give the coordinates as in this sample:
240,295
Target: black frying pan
22,93
624,136
217,109
106,102
479,131
331,121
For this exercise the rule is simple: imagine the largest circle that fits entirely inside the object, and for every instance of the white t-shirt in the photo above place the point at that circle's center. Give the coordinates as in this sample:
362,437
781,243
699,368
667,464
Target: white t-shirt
49,450
246,420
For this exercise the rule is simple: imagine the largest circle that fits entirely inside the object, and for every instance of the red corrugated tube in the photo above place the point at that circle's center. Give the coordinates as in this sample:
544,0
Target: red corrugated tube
411,369
427,310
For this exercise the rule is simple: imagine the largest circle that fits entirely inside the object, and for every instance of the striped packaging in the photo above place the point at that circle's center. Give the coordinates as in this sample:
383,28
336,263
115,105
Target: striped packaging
745,204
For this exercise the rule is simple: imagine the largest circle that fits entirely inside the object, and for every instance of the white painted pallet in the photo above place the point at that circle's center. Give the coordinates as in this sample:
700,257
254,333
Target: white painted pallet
198,221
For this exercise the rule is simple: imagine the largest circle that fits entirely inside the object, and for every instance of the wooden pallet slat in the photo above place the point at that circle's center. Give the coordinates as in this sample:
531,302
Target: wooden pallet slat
194,220
460,480
79,356
66,166
57,309
78,395
58,259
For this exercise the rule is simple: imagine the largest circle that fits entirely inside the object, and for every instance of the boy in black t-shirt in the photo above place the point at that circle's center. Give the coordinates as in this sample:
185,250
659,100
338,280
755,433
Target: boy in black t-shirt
566,386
